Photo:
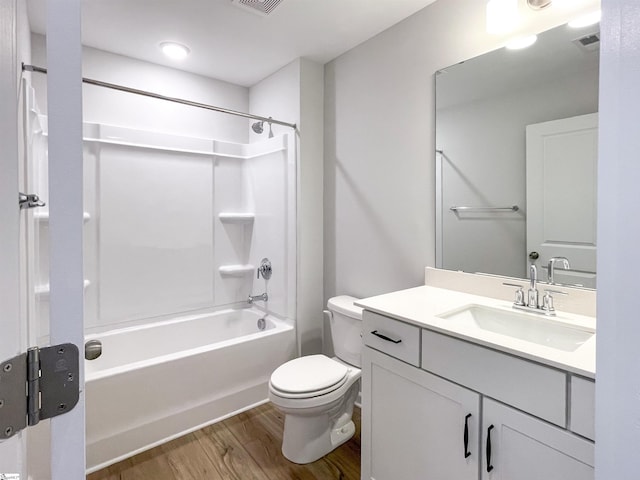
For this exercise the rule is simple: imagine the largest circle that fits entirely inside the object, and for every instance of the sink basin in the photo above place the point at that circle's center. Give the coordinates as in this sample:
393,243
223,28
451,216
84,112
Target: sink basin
528,327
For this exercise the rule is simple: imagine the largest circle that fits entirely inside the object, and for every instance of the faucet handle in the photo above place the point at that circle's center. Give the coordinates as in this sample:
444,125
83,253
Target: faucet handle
519,293
265,269
547,300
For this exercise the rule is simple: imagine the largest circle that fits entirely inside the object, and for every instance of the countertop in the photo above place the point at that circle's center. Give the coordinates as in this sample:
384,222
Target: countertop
421,306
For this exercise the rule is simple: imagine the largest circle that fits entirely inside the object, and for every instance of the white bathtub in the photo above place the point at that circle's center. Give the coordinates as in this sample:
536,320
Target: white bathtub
157,382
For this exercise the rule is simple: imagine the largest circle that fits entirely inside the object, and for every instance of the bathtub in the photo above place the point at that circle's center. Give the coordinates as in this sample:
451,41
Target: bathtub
156,382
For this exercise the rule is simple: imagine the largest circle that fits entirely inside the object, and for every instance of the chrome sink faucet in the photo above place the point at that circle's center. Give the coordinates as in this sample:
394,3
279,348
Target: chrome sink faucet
532,298
532,302
551,266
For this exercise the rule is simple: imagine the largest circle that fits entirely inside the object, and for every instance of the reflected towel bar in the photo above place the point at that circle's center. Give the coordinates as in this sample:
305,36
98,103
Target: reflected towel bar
513,208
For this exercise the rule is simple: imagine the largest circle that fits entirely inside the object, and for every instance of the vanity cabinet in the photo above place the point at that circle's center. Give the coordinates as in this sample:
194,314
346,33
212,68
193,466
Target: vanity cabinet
415,424
450,415
525,448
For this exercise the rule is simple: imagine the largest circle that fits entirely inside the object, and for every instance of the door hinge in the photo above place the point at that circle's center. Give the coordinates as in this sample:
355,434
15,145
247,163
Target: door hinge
36,385
29,200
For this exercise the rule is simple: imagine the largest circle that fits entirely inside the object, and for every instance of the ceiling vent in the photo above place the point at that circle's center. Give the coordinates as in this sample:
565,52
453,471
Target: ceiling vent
589,43
259,7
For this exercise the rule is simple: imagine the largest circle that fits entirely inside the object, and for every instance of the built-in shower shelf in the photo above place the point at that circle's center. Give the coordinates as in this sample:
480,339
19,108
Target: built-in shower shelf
44,290
236,270
228,217
44,217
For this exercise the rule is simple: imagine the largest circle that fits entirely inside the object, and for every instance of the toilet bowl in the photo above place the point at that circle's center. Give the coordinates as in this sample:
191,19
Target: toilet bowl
317,393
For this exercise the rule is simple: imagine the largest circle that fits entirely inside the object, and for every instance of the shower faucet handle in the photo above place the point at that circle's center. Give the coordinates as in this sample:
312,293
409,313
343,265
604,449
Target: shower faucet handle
265,269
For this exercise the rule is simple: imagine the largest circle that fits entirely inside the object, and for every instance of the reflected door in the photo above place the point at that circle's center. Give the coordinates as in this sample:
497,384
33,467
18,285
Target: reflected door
561,195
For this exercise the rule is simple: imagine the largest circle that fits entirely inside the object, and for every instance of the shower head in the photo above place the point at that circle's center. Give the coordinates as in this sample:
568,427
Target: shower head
258,127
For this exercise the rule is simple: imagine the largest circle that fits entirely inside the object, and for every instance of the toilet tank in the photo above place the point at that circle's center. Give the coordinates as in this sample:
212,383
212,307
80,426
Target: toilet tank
346,329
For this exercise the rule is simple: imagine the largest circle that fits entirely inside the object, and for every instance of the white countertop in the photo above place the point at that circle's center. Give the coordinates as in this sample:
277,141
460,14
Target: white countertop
421,306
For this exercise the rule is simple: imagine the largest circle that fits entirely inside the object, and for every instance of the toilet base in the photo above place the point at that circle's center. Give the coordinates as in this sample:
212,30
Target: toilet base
319,440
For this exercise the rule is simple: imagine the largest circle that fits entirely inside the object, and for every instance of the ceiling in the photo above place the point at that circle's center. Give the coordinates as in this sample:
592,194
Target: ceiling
228,42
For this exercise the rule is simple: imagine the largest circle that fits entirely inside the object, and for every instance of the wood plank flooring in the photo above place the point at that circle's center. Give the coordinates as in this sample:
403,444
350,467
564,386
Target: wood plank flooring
243,447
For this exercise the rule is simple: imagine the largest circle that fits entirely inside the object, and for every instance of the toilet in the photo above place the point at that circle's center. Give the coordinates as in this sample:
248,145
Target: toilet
317,393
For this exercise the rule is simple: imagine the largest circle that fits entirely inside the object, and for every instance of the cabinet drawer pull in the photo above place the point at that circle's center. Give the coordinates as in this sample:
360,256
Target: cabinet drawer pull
489,466
384,337
467,453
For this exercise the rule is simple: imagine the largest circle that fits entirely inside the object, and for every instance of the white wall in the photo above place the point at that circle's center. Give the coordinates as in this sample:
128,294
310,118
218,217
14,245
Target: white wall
295,94
484,146
101,105
379,143
618,360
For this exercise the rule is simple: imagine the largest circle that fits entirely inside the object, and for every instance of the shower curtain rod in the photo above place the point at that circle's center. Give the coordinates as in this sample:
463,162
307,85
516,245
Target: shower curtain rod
113,86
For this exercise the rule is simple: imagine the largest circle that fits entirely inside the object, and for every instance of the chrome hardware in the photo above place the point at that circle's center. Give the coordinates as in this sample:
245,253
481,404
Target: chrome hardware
547,301
264,297
551,266
512,208
532,295
92,349
47,377
519,294
262,323
534,255
265,269
29,200
531,305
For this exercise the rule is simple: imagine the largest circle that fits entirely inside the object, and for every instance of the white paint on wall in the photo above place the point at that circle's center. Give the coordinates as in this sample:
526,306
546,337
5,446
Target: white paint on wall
294,94
379,143
618,361
110,107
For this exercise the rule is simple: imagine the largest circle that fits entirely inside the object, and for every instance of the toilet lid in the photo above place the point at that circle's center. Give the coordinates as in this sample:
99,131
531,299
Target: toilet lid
308,374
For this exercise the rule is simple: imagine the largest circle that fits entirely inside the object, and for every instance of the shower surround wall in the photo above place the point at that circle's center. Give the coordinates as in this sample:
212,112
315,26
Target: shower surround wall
175,224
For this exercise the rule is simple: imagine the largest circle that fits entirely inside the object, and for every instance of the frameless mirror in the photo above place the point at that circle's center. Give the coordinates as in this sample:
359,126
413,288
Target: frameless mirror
516,139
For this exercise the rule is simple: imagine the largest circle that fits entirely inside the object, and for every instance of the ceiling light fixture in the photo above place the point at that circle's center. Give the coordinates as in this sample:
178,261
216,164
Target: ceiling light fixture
502,16
175,51
586,20
521,42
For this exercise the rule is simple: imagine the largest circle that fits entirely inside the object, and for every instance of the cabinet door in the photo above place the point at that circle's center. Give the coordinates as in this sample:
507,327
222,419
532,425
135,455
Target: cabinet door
414,424
526,448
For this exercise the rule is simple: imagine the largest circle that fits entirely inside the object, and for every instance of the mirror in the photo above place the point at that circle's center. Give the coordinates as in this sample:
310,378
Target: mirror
516,139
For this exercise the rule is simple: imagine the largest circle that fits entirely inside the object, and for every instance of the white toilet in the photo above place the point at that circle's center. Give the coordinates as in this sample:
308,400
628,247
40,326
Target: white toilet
316,393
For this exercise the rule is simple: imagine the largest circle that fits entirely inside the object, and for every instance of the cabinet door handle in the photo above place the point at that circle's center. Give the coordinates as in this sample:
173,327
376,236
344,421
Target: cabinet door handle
489,466
467,453
384,337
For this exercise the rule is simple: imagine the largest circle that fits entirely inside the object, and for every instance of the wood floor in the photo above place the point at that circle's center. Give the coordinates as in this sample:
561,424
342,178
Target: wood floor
244,447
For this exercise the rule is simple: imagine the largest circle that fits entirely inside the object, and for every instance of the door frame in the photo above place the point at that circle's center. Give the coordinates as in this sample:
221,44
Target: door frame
64,110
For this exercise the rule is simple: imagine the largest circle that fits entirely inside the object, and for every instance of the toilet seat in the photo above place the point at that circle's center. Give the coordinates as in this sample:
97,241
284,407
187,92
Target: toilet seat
308,376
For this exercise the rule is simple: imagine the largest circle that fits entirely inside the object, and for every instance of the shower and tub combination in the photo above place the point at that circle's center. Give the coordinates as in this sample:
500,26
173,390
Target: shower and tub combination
175,231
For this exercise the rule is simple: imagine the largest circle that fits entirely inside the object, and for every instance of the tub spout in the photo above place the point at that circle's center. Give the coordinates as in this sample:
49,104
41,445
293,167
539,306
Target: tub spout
264,297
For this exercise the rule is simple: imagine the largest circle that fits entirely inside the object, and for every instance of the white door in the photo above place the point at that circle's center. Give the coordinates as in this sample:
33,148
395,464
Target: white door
414,424
526,448
561,195
66,451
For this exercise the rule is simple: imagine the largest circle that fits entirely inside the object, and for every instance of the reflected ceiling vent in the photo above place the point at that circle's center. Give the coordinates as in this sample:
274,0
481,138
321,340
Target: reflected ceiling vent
259,7
589,43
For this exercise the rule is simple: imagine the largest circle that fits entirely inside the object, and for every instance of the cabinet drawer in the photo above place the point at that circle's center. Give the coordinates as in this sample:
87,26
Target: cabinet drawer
531,387
583,399
395,338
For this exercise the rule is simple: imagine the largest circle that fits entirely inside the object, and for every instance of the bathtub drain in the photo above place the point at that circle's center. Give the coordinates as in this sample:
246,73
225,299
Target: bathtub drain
262,324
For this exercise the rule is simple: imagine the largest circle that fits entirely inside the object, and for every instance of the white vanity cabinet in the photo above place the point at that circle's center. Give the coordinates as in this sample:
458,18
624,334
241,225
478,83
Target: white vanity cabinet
525,448
414,411
414,424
